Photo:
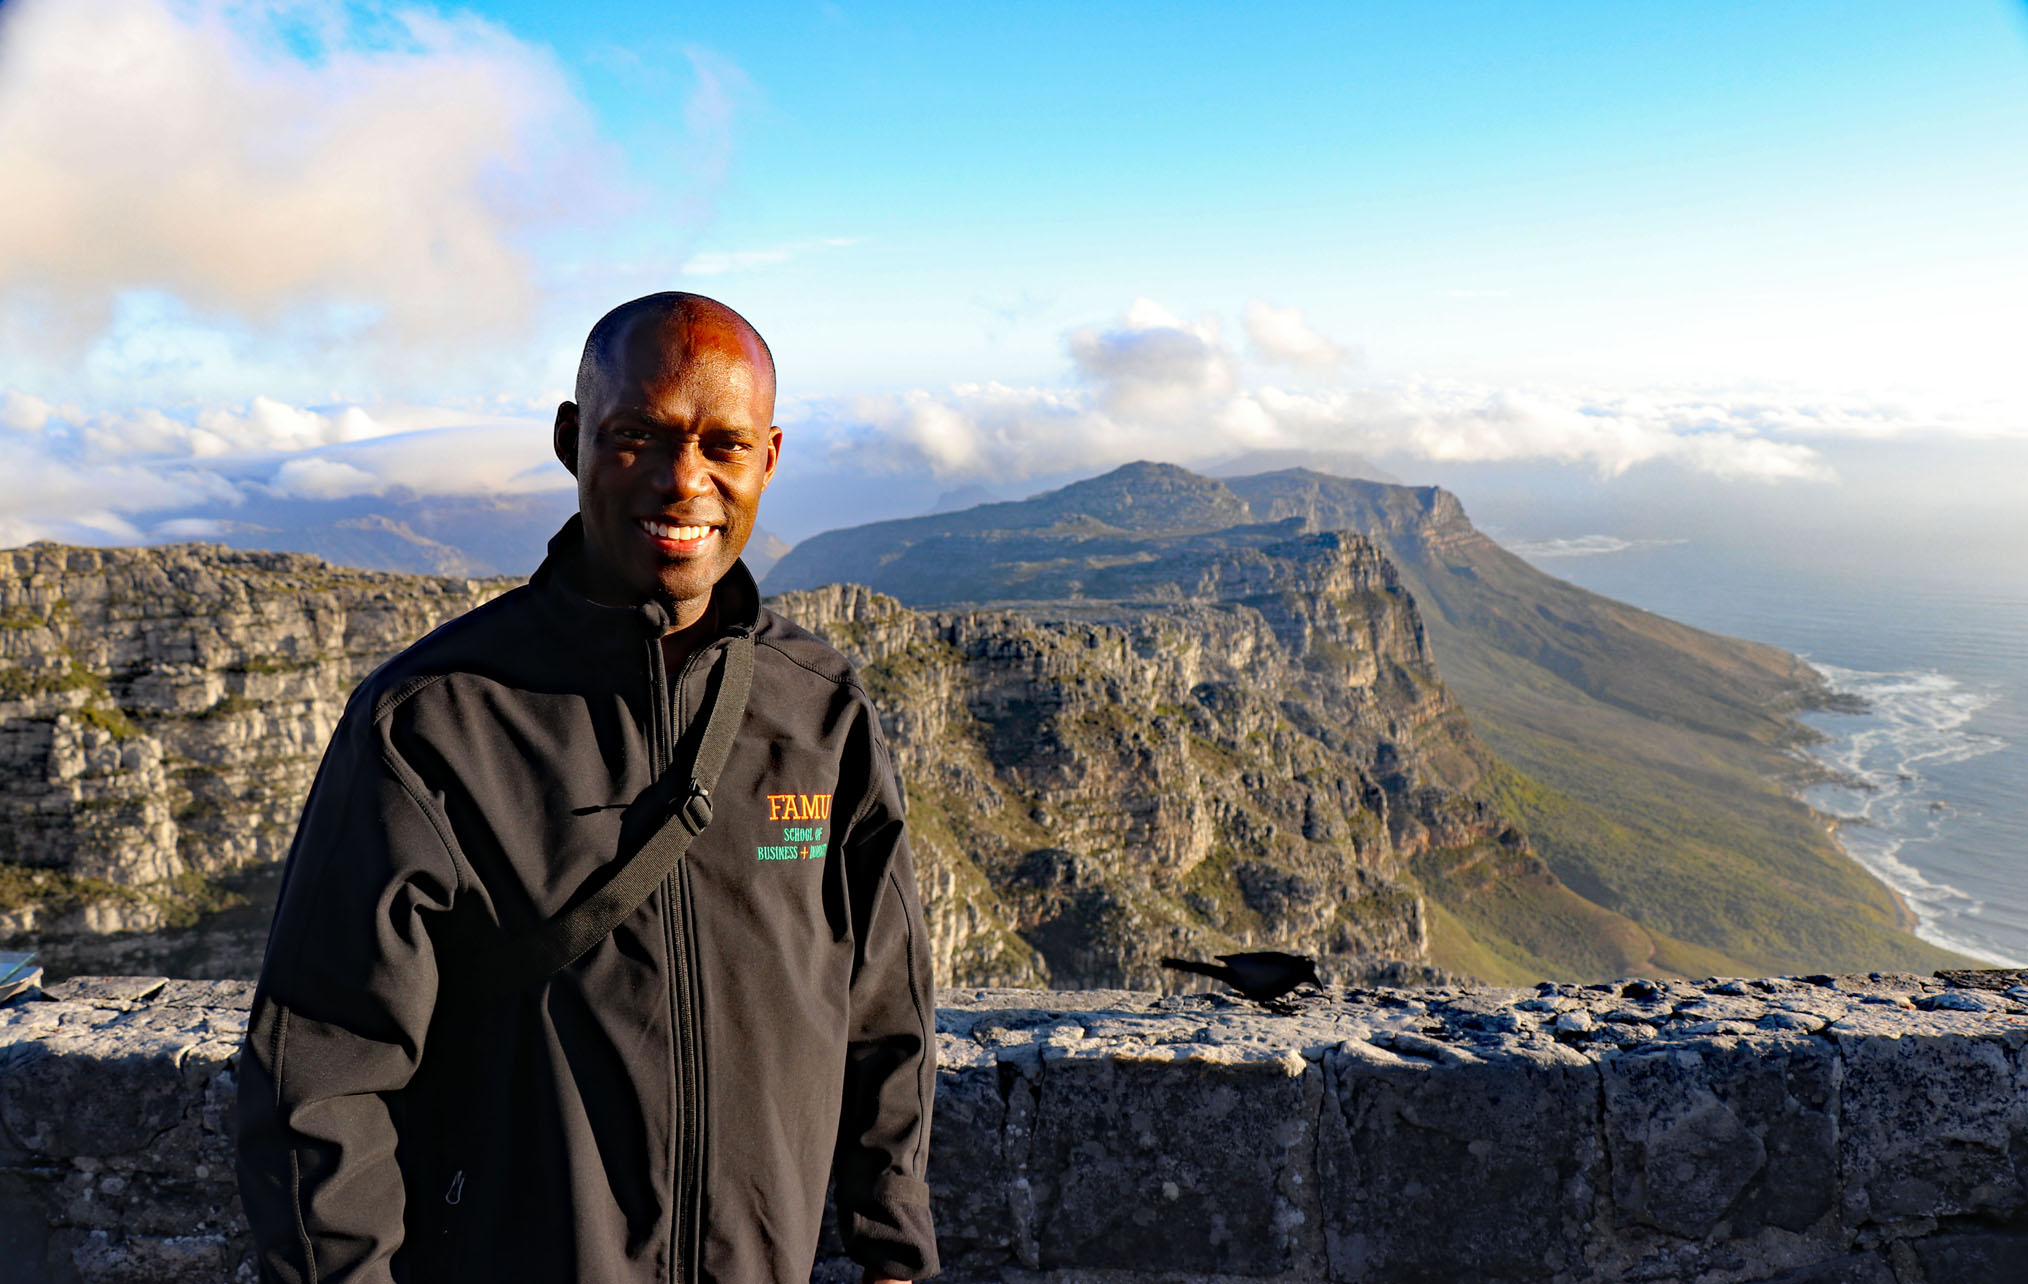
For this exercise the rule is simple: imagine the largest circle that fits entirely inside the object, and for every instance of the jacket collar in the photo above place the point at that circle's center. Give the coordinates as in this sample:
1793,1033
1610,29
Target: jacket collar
556,583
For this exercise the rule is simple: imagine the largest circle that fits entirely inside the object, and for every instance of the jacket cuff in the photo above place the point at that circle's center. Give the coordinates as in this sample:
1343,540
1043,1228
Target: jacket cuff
886,1227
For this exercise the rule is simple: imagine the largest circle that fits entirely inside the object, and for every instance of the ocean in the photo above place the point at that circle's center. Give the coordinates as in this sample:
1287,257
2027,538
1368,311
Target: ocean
1932,783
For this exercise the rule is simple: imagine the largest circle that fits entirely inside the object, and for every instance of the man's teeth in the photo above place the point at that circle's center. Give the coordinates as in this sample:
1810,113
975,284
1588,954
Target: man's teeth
662,530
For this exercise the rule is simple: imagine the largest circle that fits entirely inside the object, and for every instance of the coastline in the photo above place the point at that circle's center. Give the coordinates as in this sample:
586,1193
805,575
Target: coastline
1922,901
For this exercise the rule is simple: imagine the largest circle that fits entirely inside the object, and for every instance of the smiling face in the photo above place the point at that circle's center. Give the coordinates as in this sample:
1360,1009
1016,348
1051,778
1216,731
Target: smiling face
671,442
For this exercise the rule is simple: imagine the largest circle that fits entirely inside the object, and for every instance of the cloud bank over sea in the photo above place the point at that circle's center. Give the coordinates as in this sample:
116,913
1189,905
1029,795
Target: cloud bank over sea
1153,385
1149,385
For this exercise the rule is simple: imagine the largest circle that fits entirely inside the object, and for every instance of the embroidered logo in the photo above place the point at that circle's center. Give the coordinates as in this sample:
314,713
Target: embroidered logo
801,840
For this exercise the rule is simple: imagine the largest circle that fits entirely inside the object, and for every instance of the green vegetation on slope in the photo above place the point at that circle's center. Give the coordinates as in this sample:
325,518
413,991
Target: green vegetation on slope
1647,765
1499,914
181,900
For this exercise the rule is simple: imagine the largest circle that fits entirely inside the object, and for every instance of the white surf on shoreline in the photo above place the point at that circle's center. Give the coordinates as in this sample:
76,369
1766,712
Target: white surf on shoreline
1917,721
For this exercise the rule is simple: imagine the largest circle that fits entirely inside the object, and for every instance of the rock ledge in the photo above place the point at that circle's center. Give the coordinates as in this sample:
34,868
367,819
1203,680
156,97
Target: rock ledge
1804,1130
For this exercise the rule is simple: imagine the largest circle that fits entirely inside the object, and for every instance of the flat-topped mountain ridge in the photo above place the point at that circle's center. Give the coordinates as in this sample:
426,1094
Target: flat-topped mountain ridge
1095,784
1401,749
1649,762
1095,539
1090,788
1252,747
162,712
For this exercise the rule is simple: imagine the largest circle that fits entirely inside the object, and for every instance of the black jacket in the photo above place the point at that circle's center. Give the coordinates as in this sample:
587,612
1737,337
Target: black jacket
668,1107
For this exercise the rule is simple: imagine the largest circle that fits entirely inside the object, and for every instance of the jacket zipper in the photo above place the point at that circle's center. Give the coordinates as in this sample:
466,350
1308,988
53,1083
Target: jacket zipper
687,1143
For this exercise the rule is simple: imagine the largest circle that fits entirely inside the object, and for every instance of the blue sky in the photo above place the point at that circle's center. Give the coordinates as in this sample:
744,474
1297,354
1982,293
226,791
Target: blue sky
1594,190
1737,242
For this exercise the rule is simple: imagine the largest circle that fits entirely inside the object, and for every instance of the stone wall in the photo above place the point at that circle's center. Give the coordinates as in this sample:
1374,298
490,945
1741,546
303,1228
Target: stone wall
1871,1129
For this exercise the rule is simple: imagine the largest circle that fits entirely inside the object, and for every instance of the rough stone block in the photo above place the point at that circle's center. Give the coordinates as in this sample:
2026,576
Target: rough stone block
104,1259
1482,1163
975,1220
1723,1131
24,1230
1856,1268
135,1097
1167,1158
1979,1257
1935,1122
1118,1138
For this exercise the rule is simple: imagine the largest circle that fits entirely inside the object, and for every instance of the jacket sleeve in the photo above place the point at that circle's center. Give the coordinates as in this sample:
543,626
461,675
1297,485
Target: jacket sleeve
345,996
890,1071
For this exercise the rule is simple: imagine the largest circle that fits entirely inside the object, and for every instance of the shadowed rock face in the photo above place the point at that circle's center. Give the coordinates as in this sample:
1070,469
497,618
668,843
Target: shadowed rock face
1832,1130
1244,746
163,710
1246,752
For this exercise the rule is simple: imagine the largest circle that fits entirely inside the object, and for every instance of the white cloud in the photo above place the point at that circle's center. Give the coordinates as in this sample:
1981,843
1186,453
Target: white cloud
46,496
1585,546
1150,385
501,457
85,478
1153,366
317,478
974,430
386,184
1157,387
184,528
1282,335
265,424
20,412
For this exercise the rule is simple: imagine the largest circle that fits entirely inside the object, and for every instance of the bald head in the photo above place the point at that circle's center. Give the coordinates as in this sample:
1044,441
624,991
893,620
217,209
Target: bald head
657,330
672,440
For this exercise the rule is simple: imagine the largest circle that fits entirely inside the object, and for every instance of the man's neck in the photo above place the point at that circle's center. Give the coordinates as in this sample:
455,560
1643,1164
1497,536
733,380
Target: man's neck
681,641
683,637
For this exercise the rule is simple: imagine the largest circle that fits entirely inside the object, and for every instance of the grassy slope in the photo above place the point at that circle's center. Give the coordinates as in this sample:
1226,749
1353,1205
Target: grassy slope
1644,759
1503,916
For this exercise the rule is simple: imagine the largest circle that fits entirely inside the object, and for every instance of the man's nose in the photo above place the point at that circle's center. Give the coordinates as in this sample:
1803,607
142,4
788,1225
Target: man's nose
689,474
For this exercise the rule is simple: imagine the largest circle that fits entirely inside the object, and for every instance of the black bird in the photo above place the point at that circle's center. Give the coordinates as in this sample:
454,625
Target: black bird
1260,975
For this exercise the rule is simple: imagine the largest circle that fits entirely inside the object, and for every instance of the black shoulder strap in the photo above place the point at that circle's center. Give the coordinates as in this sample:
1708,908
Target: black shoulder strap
529,958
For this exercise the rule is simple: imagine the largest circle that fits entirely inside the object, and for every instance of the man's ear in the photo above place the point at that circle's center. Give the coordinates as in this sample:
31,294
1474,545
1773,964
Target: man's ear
566,435
774,454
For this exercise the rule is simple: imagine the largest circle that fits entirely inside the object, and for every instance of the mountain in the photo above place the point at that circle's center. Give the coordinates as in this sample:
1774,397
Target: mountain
1647,761
1274,762
1095,784
992,550
1155,713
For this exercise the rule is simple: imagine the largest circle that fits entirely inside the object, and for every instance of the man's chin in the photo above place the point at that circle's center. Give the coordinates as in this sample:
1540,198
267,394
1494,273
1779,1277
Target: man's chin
687,583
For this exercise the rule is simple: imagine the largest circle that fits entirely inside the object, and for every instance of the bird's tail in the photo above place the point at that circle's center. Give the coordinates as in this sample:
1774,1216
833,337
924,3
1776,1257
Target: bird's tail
1191,965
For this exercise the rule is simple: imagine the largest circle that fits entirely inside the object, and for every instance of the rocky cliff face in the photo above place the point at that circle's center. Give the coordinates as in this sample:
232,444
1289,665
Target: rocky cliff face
163,710
1644,759
1243,743
1249,755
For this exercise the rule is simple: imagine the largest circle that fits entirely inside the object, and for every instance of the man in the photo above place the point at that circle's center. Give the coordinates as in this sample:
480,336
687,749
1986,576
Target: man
667,1105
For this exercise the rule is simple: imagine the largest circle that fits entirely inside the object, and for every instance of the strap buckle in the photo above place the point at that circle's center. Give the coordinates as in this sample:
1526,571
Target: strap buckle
695,809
